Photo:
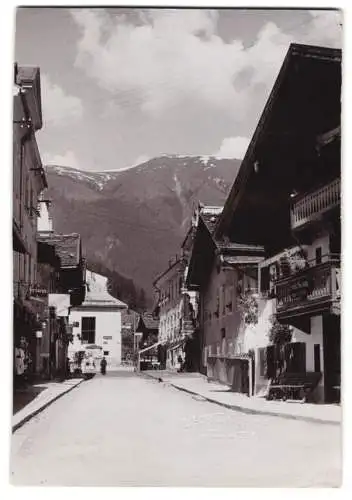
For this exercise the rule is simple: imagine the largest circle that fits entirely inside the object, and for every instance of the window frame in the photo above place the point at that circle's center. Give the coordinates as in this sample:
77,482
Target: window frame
86,332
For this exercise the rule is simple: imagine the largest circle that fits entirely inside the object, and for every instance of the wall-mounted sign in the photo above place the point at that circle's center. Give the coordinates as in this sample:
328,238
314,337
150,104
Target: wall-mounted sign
37,291
39,334
75,324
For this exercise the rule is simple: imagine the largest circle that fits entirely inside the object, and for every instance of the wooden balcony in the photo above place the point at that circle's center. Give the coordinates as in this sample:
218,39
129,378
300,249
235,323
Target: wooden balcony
313,205
311,291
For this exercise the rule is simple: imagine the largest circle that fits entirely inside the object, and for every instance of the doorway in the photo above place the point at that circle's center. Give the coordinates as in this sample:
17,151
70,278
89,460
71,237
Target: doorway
332,357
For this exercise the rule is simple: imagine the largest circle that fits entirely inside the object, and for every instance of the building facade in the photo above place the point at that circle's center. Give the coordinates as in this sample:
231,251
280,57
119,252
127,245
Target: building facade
29,181
169,286
286,197
97,321
226,277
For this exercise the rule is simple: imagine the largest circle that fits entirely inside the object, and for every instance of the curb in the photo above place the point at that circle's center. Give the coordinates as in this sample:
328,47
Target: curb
39,410
249,411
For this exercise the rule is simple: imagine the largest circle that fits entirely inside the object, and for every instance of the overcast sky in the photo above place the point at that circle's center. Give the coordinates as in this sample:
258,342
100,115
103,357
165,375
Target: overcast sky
120,86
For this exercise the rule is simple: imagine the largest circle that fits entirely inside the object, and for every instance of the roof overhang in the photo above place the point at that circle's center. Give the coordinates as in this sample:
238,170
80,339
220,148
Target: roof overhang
202,256
173,269
28,78
311,77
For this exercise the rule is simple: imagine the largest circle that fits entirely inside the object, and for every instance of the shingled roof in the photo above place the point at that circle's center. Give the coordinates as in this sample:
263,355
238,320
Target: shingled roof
149,321
67,246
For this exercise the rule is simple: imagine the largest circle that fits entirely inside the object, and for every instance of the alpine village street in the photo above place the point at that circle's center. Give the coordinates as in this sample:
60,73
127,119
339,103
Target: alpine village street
227,374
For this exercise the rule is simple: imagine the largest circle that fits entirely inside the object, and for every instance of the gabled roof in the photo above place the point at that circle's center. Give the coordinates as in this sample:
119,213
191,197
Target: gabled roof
210,220
149,321
173,268
67,246
295,65
101,300
97,295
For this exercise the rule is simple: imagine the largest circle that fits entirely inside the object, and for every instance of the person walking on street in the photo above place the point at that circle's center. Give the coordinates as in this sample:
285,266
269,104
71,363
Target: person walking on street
103,364
68,368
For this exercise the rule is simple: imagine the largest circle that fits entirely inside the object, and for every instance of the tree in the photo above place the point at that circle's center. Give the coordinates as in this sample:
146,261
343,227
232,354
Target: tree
248,305
142,302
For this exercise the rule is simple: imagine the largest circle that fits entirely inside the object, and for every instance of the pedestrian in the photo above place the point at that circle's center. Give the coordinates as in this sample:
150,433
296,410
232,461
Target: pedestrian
68,368
103,364
180,363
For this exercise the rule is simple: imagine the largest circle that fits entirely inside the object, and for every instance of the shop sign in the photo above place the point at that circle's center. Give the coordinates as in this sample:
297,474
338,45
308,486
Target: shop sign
36,291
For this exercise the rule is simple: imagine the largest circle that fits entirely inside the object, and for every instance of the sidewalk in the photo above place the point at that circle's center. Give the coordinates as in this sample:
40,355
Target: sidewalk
30,401
197,384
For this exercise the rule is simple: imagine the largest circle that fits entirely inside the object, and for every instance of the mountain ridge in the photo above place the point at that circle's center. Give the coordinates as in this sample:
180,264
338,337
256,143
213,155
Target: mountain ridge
134,220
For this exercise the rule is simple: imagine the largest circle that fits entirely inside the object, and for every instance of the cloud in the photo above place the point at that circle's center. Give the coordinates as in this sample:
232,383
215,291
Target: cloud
68,159
233,147
59,108
176,56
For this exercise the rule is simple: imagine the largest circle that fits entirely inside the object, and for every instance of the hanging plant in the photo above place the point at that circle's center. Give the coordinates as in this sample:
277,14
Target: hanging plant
279,333
291,263
248,306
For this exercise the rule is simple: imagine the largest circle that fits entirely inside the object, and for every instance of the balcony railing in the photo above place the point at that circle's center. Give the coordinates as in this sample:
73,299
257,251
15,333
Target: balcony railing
313,286
316,203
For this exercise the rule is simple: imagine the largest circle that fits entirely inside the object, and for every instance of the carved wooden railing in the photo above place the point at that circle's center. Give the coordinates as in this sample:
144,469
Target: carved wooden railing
315,203
317,283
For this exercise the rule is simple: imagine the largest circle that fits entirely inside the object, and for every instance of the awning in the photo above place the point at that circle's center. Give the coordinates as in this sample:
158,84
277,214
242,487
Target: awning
178,344
153,346
242,259
91,346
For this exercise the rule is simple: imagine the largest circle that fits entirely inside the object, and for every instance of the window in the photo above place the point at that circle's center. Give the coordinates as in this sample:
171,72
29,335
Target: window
317,367
223,333
106,353
223,306
88,330
318,255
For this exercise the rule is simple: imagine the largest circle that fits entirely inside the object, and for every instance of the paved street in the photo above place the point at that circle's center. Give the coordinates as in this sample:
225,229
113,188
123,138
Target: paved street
124,430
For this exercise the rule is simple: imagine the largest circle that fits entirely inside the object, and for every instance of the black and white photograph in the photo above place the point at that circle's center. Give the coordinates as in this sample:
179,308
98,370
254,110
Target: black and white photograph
176,247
